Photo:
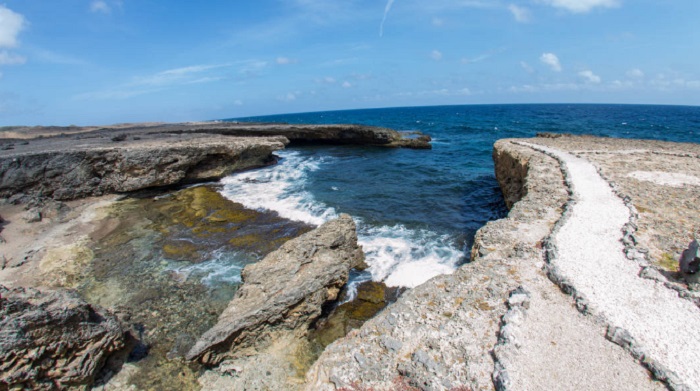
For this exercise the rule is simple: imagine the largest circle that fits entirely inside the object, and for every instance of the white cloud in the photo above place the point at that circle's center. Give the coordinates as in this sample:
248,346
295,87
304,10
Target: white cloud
437,22
100,6
289,97
347,84
185,75
521,14
527,67
238,102
389,3
590,77
325,80
635,73
436,55
11,59
11,24
552,61
581,6
285,60
43,55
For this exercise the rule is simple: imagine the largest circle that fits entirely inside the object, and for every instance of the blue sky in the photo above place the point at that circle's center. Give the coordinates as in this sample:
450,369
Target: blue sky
108,61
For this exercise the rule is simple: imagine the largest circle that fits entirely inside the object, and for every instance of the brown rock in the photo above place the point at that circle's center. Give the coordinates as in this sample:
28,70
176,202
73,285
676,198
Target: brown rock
53,339
284,292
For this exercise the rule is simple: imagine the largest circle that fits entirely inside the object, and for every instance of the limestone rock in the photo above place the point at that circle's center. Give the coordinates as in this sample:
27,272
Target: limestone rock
283,293
340,134
53,339
65,169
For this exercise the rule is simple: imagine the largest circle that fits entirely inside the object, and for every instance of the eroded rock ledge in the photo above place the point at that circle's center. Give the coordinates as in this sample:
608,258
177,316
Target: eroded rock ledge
66,168
265,324
440,335
72,162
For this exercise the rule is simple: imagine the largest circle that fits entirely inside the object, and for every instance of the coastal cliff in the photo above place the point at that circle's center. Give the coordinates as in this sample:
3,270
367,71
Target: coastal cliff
440,335
70,167
74,162
513,318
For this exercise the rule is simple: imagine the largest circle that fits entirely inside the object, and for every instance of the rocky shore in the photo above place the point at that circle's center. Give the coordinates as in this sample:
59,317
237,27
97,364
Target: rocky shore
577,289
95,161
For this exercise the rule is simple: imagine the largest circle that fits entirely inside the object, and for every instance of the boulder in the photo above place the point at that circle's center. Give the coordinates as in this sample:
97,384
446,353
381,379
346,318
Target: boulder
284,293
689,262
54,340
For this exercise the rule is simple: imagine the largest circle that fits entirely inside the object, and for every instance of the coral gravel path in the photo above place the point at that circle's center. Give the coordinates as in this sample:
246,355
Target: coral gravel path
651,321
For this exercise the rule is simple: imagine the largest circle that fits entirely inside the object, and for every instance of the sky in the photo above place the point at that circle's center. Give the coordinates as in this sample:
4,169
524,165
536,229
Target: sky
89,62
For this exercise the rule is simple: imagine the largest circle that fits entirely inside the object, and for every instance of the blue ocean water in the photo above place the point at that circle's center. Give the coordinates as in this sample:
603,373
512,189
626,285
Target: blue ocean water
418,210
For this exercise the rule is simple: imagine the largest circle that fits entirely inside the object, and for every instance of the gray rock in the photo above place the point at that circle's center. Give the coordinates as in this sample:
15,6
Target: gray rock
53,339
283,293
689,262
340,134
32,215
63,169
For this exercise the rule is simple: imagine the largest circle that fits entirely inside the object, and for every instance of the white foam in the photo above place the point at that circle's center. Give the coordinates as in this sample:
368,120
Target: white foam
223,268
396,255
404,257
280,188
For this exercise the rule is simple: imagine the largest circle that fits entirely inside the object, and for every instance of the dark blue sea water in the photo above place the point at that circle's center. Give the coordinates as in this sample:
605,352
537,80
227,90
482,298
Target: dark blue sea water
418,210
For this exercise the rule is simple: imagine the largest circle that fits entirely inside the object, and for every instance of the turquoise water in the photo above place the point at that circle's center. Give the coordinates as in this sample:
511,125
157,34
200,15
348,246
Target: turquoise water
418,210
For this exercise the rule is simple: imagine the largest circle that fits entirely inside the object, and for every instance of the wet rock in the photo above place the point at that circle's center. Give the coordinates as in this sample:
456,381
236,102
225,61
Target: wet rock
284,293
371,298
53,339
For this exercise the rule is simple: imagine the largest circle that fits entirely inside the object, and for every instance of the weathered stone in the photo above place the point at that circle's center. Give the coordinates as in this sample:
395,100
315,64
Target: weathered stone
32,215
689,262
53,339
314,134
440,335
69,168
283,293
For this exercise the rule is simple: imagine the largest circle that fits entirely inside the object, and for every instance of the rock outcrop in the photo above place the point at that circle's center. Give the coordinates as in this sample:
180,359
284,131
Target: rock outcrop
298,133
498,322
315,134
440,335
283,294
53,340
72,167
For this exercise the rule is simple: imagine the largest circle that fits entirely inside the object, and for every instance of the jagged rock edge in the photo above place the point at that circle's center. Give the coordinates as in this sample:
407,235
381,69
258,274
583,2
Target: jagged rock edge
507,341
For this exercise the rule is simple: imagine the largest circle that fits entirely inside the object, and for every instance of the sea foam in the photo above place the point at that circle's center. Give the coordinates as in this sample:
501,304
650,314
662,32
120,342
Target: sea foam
396,255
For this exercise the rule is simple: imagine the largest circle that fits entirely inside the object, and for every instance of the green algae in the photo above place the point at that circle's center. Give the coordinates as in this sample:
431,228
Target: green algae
130,270
371,298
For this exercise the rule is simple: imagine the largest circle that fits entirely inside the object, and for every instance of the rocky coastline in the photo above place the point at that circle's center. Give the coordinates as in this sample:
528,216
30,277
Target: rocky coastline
511,318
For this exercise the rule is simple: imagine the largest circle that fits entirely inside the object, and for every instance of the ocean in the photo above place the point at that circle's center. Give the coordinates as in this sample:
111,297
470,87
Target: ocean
418,210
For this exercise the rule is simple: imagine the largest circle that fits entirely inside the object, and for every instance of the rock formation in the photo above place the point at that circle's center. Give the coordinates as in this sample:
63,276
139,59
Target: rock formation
283,293
53,340
72,167
315,134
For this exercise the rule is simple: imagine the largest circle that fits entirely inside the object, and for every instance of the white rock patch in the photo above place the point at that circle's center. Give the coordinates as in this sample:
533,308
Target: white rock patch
672,179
